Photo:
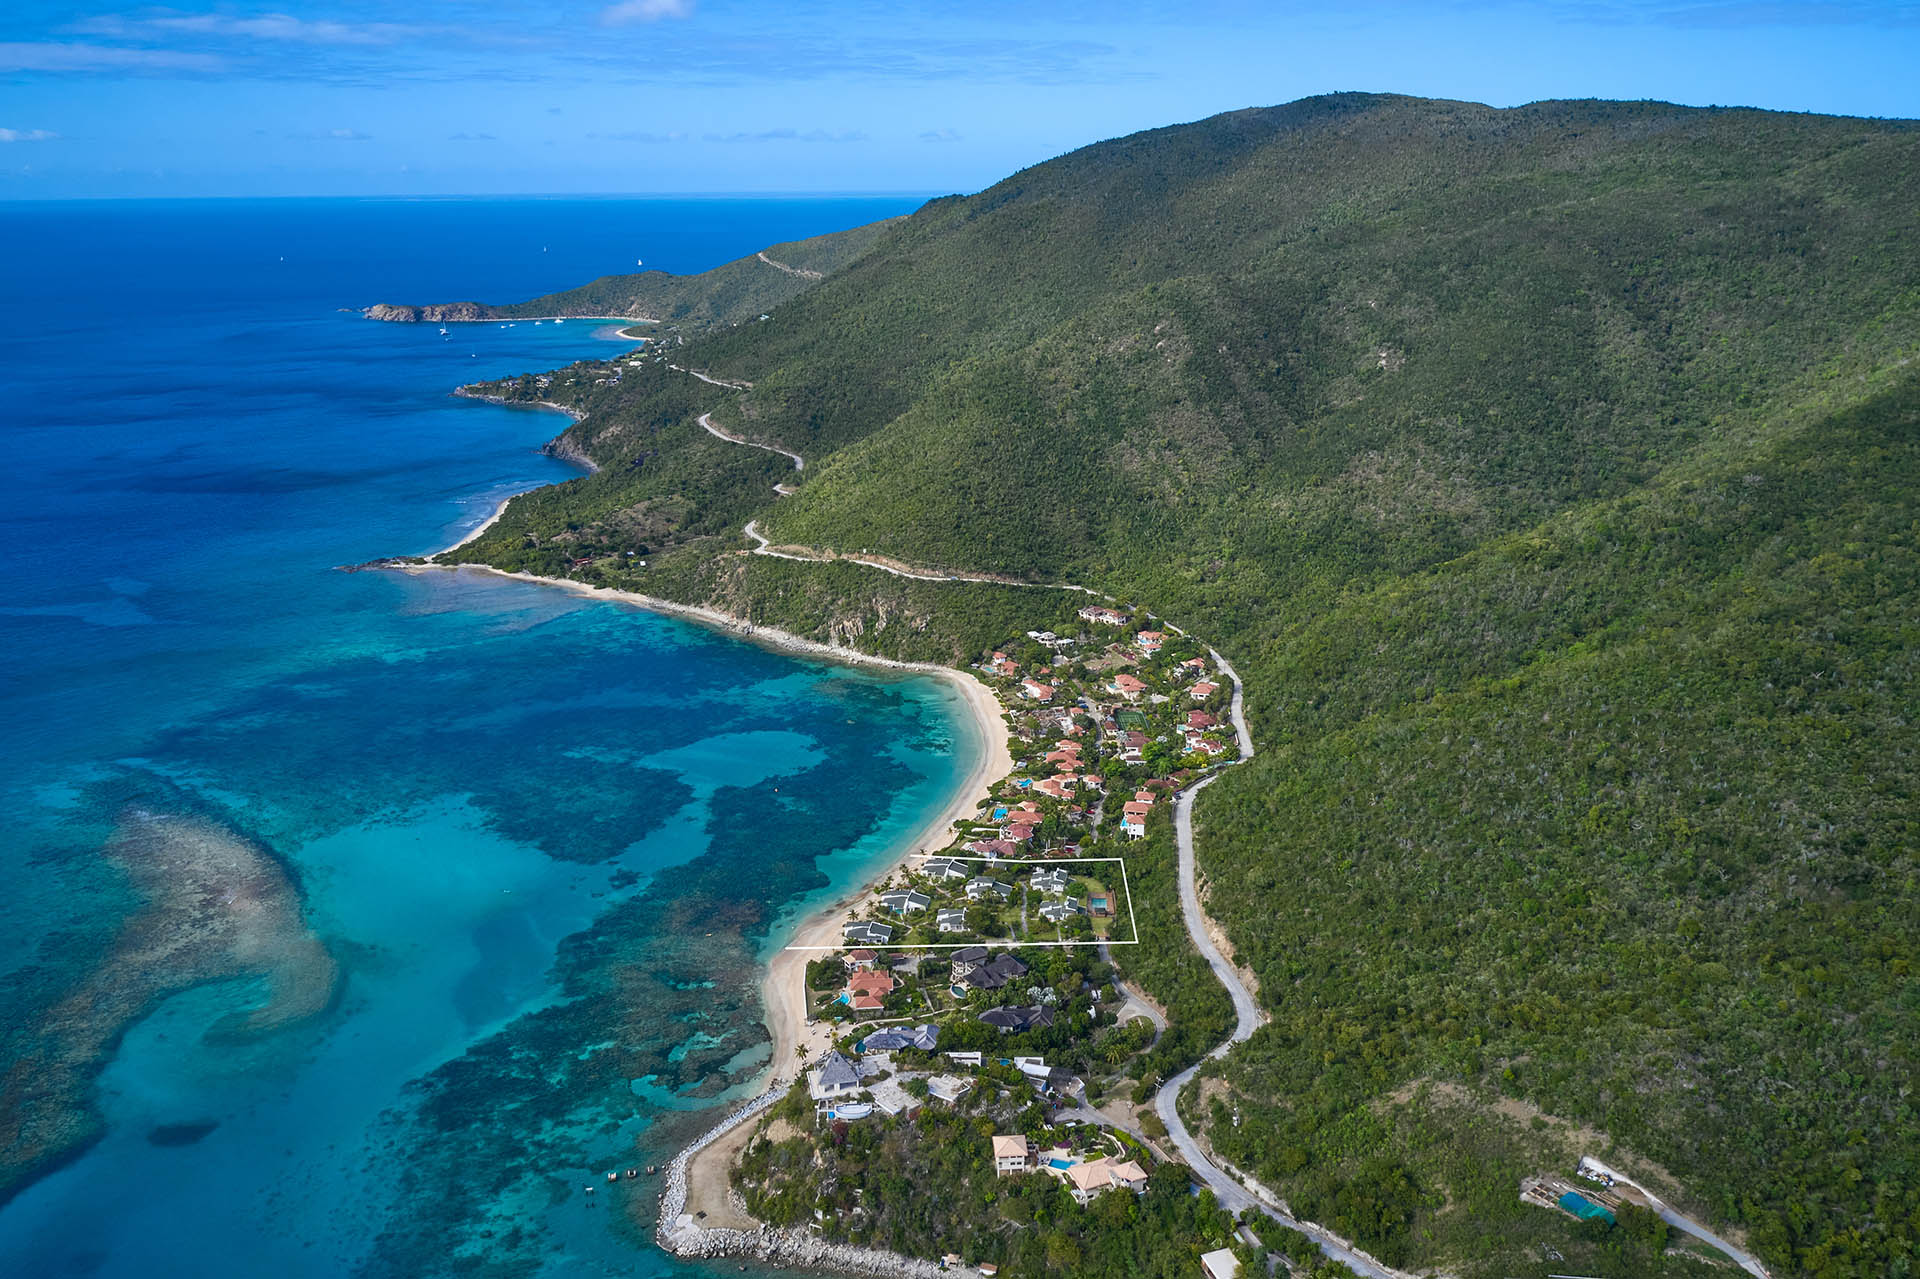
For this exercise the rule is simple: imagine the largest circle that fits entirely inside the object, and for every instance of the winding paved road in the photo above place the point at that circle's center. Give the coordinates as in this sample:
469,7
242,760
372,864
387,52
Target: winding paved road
800,271
1232,1196
706,421
1680,1221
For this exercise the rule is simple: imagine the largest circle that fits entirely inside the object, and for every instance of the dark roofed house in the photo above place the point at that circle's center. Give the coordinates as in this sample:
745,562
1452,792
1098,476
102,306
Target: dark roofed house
1014,1020
1059,912
967,958
836,1075
1052,881
983,978
944,868
867,934
909,902
1008,965
951,921
925,1038
983,887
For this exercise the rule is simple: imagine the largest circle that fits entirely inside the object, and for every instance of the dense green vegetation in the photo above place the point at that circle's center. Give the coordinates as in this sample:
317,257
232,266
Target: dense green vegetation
1549,475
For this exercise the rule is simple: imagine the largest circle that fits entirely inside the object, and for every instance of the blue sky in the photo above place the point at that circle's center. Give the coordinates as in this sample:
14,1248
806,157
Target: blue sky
325,97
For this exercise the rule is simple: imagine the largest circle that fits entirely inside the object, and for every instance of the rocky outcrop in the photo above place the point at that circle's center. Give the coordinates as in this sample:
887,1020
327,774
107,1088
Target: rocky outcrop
567,449
680,1234
439,313
792,1249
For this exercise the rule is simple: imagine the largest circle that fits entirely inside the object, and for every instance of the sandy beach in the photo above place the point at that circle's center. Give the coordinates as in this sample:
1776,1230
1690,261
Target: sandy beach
784,989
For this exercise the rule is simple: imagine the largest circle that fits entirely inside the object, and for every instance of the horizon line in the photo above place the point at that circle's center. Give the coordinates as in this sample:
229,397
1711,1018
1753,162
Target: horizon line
399,197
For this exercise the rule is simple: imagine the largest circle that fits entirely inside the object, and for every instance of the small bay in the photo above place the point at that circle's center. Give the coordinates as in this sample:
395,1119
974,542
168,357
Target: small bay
499,864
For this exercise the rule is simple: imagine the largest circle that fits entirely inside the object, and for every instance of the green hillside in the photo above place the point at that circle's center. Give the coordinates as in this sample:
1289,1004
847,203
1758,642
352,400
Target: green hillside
1549,475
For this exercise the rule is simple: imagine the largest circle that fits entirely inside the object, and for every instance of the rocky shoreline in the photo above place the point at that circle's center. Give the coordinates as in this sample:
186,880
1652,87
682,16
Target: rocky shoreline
678,1233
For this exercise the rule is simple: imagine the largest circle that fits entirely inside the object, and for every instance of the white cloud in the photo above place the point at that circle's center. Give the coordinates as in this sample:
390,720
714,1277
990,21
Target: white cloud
627,12
27,135
282,27
333,135
62,56
788,135
940,135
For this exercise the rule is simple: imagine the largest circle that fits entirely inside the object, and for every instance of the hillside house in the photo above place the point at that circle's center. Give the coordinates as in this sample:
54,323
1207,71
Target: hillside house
866,933
1052,881
982,888
994,973
838,1075
1096,1176
1010,1021
951,921
926,1038
1012,1155
909,901
966,959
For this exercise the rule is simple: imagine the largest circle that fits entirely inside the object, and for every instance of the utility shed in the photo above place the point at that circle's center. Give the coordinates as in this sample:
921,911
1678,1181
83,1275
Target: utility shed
1220,1264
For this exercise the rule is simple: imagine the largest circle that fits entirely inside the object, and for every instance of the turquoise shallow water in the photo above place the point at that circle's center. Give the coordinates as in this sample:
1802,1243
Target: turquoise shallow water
544,838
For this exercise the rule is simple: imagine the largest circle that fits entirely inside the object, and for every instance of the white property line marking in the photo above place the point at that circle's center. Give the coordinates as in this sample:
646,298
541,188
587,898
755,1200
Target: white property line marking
1125,884
1002,942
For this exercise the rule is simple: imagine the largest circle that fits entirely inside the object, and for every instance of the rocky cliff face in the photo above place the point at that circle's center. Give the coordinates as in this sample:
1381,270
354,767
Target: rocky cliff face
439,313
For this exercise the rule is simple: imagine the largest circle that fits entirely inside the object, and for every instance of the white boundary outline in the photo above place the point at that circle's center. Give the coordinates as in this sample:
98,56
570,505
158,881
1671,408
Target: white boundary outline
1002,942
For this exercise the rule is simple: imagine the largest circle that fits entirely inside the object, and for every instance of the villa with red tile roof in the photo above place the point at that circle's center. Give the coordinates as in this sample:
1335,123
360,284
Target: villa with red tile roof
1127,686
1150,641
1037,691
1201,691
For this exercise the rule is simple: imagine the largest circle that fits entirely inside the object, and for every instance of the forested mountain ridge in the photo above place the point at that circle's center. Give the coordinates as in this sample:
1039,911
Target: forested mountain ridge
1549,475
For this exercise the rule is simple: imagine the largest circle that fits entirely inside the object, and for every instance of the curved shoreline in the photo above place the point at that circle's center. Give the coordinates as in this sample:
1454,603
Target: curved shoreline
783,986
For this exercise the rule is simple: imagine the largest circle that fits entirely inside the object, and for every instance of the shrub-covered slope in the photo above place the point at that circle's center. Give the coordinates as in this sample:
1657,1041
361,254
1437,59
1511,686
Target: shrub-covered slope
1548,474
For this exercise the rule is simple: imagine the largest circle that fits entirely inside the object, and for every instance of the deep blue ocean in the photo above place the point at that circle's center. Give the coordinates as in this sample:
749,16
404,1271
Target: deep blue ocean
542,843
